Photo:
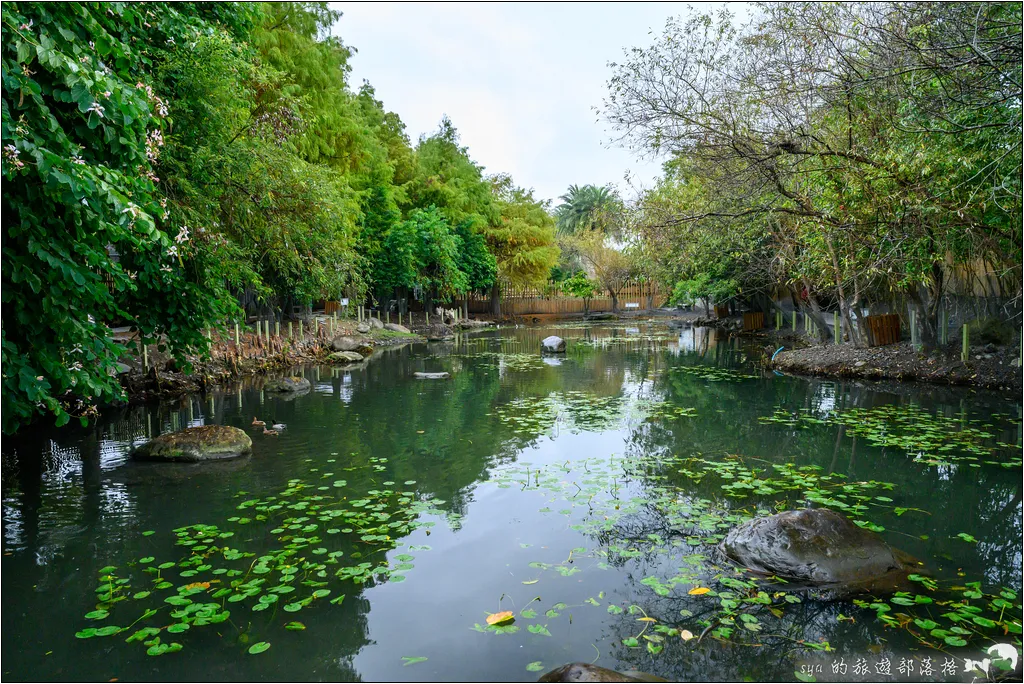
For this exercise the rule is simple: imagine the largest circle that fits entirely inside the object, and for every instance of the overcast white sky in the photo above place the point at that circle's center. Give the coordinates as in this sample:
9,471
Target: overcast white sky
518,80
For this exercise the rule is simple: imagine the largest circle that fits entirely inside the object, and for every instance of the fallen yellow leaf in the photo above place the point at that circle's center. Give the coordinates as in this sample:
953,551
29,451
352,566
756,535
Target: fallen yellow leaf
686,635
498,618
698,591
531,581
646,619
198,585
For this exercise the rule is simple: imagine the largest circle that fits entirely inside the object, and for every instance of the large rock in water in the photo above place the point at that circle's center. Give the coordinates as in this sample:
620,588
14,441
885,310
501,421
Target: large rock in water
344,343
439,331
582,672
820,550
292,383
346,357
554,343
194,444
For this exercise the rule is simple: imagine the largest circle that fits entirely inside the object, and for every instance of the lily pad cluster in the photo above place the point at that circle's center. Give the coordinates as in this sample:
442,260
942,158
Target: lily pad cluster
312,543
930,438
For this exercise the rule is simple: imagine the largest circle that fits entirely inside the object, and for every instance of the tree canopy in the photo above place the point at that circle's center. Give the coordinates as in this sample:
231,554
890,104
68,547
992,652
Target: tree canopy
174,167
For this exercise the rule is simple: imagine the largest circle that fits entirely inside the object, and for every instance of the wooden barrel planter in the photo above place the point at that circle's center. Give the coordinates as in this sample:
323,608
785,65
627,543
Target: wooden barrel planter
885,329
753,320
721,311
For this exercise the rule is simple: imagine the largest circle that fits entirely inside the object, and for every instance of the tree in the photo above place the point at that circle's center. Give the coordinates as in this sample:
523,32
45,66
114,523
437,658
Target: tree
88,238
522,238
609,265
579,285
584,207
859,136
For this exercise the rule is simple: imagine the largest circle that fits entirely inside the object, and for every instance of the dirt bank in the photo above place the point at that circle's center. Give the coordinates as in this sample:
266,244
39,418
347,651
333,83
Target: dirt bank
227,362
991,366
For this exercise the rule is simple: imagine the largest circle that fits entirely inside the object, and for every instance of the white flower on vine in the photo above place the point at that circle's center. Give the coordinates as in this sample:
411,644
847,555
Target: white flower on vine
95,108
173,250
182,235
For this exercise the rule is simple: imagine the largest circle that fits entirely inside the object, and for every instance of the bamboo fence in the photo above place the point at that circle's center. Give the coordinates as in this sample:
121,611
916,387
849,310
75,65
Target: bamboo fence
527,300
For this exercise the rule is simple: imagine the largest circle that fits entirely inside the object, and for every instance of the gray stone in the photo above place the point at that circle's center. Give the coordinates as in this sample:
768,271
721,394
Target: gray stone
122,368
346,344
439,331
293,383
375,324
821,551
859,364
582,672
431,376
346,357
194,444
395,327
554,343
363,328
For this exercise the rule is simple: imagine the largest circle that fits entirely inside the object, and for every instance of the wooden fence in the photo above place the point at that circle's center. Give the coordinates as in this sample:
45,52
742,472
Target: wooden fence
523,301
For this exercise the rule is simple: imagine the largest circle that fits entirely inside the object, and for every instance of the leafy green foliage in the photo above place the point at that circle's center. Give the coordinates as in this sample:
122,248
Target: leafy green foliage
89,238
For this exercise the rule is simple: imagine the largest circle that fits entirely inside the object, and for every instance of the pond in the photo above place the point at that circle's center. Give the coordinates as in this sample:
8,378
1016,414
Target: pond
373,537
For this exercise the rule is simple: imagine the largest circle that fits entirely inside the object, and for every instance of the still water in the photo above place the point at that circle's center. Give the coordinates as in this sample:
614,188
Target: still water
583,493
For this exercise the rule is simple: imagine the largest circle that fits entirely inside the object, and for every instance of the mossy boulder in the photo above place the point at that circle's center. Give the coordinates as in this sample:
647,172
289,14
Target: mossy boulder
821,552
292,383
195,444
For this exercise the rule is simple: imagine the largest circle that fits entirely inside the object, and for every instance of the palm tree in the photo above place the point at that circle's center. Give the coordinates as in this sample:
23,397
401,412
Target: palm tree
587,208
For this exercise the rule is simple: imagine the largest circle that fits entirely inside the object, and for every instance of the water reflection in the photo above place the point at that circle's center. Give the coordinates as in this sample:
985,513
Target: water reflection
72,502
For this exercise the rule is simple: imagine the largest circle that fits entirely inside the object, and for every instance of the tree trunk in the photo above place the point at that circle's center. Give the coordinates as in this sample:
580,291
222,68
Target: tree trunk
813,309
615,301
496,299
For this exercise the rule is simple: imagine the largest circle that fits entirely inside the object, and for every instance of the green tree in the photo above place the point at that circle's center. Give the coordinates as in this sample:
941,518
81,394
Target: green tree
522,238
88,241
579,285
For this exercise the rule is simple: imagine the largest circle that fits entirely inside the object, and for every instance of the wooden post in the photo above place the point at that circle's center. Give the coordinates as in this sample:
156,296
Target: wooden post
259,330
277,328
289,330
238,339
913,331
300,329
794,320
389,316
145,357
835,322
965,353
426,315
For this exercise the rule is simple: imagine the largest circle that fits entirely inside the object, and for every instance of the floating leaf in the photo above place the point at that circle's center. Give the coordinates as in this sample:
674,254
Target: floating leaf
259,647
412,660
698,591
502,617
535,666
